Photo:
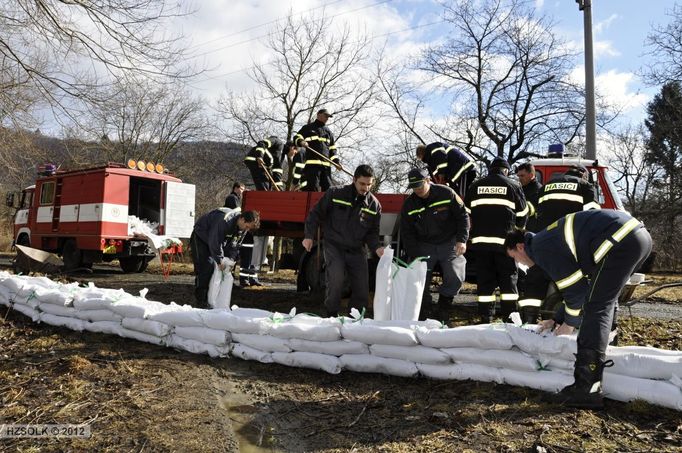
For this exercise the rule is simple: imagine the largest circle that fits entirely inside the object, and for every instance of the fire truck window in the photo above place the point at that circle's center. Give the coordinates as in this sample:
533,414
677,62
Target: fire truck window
538,175
145,199
47,193
599,191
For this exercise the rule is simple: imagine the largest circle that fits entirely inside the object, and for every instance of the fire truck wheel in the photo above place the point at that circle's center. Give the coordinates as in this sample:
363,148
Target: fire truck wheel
72,255
131,264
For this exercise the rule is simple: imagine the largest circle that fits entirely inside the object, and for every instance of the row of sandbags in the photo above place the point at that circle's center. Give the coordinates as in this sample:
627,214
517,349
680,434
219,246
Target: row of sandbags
501,353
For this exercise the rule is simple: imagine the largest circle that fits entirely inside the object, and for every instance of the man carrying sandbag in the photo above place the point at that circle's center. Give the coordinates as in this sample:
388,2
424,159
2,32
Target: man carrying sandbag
216,235
349,217
590,255
434,223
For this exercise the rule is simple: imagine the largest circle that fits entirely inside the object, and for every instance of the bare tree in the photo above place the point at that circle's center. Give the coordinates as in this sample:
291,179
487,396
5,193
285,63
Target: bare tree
64,51
508,73
664,43
145,120
313,66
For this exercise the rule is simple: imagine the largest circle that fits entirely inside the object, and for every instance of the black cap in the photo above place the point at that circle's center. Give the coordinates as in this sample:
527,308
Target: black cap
499,162
416,177
324,112
576,170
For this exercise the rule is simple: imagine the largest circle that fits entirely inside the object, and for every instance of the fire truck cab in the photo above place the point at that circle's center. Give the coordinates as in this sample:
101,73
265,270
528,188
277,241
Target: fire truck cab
83,215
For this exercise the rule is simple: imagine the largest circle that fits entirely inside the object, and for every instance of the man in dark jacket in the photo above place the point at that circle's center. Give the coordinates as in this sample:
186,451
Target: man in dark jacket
234,199
564,194
216,235
288,153
496,205
434,223
349,217
448,165
317,166
590,255
260,160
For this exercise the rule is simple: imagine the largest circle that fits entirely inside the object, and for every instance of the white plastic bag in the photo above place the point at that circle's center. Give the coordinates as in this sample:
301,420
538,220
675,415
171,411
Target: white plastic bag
382,289
220,287
399,288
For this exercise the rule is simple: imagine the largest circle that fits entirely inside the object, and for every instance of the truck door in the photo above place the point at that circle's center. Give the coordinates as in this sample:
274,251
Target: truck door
178,218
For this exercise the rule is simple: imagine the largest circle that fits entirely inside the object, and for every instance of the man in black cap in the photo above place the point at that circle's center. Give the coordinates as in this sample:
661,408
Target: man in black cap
434,223
496,205
316,172
349,216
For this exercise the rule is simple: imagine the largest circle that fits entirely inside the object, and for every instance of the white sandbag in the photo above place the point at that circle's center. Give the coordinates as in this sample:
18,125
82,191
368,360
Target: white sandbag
646,350
56,296
239,320
643,365
461,372
93,298
554,364
367,363
197,347
14,283
497,358
335,348
177,315
266,343
382,287
626,388
98,315
220,286
421,354
27,310
373,333
139,336
59,310
204,335
137,307
328,363
157,329
4,295
109,327
545,343
549,381
62,321
408,324
248,353
407,288
91,303
306,327
484,336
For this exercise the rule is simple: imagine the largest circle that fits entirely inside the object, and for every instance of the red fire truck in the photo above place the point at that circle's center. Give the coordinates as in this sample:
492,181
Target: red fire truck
83,214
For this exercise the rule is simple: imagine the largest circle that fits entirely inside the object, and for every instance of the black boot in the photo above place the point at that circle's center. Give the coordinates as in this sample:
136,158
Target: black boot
486,311
243,282
507,308
530,315
253,281
586,391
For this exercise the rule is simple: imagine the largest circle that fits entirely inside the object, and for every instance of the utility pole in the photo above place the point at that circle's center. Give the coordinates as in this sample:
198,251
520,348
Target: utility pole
590,114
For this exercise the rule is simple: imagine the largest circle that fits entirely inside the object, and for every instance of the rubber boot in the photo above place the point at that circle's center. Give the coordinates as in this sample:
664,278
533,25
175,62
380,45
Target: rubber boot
444,307
486,312
586,391
530,315
253,281
244,282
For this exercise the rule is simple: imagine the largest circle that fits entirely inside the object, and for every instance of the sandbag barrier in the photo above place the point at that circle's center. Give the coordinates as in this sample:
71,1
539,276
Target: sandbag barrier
500,353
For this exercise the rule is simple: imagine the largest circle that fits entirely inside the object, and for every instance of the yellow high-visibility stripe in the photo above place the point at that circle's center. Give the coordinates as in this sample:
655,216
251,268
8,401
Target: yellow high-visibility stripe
569,236
344,202
493,201
317,162
486,298
313,138
268,142
591,205
531,209
487,240
443,165
435,150
602,250
298,165
334,157
571,311
570,280
509,296
522,212
438,203
625,229
333,147
416,211
369,211
561,196
461,170
277,170
530,303
249,158
467,210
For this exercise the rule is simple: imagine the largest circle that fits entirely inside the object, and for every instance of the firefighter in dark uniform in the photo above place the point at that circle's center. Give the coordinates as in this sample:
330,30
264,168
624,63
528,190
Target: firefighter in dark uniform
216,235
448,165
530,300
290,150
317,170
298,163
234,199
434,223
349,217
495,205
562,195
590,255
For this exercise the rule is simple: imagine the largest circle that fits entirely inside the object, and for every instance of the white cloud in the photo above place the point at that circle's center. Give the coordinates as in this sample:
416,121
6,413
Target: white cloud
539,3
604,49
616,87
606,23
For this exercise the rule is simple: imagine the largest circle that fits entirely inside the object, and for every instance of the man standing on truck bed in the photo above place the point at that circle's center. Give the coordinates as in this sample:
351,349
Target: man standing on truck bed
216,235
448,165
349,217
317,168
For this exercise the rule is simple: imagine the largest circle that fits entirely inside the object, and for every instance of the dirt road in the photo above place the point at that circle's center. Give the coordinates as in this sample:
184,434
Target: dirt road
139,397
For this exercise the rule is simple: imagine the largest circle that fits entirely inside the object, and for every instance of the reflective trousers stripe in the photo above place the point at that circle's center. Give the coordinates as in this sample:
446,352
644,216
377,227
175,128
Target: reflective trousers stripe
487,240
530,303
461,170
509,296
486,299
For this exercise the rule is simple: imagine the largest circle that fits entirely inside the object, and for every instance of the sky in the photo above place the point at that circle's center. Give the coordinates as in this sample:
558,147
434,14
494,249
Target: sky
228,37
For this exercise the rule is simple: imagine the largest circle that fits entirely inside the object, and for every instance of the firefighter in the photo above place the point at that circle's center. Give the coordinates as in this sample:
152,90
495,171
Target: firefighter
234,199
448,165
216,235
495,204
349,216
260,160
434,223
591,255
290,150
564,194
534,286
317,168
